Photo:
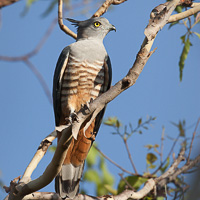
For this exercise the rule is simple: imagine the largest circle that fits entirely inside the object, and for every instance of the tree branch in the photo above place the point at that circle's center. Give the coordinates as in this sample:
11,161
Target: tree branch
184,14
105,7
194,133
60,21
46,142
114,163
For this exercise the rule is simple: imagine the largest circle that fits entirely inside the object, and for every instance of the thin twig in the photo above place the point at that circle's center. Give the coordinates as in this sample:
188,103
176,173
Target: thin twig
194,133
130,157
114,163
40,78
60,21
105,7
127,183
162,144
172,148
25,58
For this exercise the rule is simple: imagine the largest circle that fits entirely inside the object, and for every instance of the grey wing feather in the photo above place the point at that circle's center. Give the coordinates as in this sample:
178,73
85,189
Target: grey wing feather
60,67
108,79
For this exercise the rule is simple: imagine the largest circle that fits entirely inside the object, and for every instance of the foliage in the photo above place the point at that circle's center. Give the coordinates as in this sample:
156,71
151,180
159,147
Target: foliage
98,173
189,24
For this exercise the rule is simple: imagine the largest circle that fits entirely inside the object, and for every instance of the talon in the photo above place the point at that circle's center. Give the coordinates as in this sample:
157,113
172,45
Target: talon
91,100
72,118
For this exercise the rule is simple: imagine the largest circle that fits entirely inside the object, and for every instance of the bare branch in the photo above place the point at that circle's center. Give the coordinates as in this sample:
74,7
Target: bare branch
25,59
114,163
60,21
130,157
184,14
105,7
46,142
194,133
40,79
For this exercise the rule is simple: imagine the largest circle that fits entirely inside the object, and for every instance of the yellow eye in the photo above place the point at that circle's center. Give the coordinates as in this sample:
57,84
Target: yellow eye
97,24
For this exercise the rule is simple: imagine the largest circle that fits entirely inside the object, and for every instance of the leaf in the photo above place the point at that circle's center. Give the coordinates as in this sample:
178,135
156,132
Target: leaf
183,38
52,149
139,121
134,181
179,9
112,121
152,166
151,158
163,169
91,157
110,189
92,175
107,177
197,34
172,24
181,129
183,57
149,146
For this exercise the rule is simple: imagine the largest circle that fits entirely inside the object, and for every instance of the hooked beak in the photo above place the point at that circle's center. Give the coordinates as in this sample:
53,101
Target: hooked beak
112,28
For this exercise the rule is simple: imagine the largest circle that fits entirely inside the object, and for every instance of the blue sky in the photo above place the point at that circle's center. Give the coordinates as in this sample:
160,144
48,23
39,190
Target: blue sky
26,116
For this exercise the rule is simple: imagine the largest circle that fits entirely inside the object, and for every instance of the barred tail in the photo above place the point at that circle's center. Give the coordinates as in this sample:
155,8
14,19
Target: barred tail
67,181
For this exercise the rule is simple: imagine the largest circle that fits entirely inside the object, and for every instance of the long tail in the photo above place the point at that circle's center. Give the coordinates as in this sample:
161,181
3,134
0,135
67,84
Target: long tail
67,181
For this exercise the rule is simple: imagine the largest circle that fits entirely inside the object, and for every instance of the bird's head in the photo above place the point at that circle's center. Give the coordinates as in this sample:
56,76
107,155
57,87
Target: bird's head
97,28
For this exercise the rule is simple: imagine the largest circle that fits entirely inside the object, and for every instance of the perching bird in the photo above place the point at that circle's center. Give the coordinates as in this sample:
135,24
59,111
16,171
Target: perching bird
82,73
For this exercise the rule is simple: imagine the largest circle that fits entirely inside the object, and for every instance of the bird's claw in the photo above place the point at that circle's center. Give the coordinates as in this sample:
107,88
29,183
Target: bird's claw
72,118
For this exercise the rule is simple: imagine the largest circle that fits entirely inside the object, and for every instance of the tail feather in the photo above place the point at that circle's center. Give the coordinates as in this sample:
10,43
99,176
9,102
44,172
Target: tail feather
67,181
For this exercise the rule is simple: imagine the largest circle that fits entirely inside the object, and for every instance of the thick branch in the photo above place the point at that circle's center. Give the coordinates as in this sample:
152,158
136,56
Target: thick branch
184,14
46,142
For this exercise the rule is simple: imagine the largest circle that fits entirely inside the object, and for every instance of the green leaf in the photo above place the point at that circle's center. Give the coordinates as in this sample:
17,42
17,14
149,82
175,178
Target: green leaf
160,198
91,157
107,177
163,169
134,181
183,38
52,149
110,189
179,9
173,23
181,129
151,158
149,146
183,57
92,175
152,166
197,34
112,121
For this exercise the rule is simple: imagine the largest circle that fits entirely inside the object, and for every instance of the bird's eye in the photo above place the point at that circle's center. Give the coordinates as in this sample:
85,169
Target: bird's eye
97,24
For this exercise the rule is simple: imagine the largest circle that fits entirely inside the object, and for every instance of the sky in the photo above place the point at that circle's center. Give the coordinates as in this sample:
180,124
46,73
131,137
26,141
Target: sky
26,116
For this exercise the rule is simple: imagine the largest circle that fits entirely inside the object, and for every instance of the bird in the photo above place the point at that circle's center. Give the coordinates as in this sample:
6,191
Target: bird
83,72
